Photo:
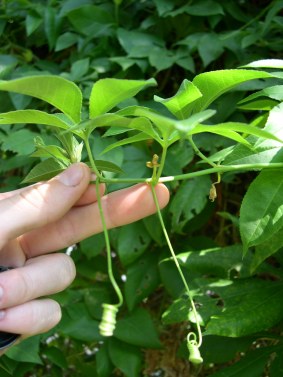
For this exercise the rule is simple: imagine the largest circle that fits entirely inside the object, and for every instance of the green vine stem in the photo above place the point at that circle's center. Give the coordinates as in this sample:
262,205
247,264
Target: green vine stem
108,320
200,154
162,163
194,345
91,160
218,169
108,247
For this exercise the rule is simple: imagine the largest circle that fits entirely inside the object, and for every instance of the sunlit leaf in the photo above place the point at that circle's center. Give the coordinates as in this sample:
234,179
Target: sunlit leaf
266,63
213,84
59,92
33,117
107,93
261,213
250,306
178,104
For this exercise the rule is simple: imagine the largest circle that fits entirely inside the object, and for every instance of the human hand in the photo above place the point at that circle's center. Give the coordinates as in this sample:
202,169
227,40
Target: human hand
49,216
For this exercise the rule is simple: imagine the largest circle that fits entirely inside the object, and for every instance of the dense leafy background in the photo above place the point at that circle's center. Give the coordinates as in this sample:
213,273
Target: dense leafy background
84,40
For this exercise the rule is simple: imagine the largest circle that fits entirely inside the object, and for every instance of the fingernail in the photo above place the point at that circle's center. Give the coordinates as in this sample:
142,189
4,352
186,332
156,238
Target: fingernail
2,314
71,176
93,177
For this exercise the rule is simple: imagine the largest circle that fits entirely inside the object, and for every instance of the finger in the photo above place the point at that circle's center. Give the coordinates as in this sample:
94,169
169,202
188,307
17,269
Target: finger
89,196
120,208
33,317
42,203
39,277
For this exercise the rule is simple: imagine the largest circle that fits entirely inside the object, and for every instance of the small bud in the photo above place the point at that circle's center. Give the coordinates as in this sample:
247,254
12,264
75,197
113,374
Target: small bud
154,162
212,192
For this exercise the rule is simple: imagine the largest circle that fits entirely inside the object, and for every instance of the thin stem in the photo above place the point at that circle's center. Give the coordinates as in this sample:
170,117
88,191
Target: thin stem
108,248
218,169
162,162
200,154
92,163
177,264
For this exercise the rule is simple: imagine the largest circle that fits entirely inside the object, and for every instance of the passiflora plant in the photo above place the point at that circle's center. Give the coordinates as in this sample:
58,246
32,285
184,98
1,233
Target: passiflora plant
256,145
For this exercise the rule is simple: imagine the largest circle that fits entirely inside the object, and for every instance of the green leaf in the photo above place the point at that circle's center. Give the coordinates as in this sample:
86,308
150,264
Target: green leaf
94,298
92,246
59,92
125,357
20,142
27,351
177,105
7,64
47,151
210,48
274,92
132,241
164,124
129,140
251,365
104,366
91,20
232,127
189,200
56,356
261,213
138,44
220,349
260,104
213,84
137,328
250,305
107,93
66,40
265,63
161,58
219,261
33,20
51,25
103,165
77,323
44,171
79,69
142,279
186,127
276,368
119,120
204,8
267,248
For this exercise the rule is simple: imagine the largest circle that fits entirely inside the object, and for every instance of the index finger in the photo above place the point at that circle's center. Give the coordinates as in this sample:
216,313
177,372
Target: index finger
42,203
120,208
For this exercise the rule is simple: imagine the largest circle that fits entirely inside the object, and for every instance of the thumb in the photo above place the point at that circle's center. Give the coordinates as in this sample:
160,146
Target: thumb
42,203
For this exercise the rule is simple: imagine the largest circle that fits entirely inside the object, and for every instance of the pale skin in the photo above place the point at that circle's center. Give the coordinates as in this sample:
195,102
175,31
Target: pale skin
41,219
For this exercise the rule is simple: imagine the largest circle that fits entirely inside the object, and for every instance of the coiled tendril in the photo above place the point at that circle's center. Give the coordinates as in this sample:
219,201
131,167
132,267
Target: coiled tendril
193,348
108,321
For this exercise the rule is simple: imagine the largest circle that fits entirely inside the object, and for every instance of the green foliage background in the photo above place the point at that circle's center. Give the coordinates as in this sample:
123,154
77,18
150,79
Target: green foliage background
83,41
